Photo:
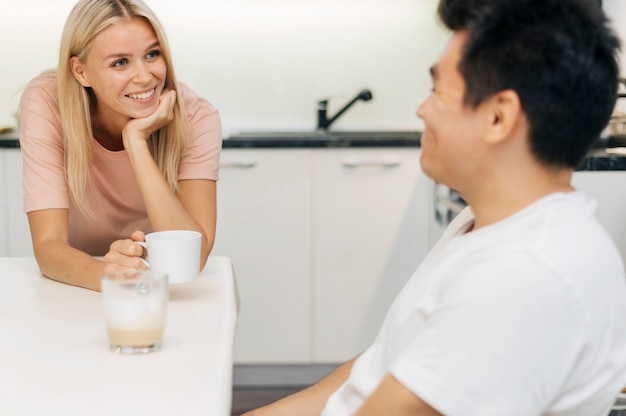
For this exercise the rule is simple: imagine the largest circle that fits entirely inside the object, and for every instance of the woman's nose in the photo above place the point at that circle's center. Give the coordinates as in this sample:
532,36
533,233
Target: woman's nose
142,74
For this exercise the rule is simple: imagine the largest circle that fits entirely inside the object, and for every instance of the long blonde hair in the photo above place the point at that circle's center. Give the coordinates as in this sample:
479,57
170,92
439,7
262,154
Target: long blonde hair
86,20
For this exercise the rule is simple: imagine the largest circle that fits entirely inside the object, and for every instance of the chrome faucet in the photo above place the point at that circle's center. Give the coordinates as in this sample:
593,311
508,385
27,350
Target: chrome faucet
323,122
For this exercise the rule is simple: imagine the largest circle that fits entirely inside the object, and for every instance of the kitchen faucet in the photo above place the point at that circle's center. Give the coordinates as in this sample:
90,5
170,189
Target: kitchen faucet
323,122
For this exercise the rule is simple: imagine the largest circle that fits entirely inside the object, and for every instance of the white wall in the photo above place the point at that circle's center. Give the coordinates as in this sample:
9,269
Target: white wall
616,10
263,63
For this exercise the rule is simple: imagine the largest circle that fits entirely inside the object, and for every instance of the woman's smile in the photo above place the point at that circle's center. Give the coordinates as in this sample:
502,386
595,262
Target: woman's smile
143,96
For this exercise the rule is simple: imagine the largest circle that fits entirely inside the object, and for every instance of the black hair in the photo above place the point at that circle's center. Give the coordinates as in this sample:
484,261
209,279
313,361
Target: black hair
560,56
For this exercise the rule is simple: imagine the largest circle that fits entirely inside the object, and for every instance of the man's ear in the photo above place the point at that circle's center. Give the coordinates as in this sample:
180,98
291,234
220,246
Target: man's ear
78,70
504,113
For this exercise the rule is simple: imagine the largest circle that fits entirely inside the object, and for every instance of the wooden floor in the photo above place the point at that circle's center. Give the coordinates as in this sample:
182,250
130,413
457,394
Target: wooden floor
248,398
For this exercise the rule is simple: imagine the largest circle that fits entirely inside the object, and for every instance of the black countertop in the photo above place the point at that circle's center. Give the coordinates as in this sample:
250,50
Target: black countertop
334,139
597,160
600,160
8,141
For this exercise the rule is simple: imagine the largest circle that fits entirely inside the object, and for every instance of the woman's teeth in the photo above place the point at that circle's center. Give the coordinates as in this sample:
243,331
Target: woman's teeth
142,96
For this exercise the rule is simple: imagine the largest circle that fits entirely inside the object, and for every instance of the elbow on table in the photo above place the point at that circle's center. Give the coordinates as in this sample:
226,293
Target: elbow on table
205,251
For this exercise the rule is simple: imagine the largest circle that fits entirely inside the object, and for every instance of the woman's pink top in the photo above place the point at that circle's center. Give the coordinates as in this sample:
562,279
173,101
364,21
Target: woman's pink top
113,192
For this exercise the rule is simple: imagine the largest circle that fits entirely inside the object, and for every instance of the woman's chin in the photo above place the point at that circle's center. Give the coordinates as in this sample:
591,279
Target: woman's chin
142,113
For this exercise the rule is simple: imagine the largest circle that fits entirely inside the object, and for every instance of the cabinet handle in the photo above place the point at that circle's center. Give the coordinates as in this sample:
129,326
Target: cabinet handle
370,164
237,165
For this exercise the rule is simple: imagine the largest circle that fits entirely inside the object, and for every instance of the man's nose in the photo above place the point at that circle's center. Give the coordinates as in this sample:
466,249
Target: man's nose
421,109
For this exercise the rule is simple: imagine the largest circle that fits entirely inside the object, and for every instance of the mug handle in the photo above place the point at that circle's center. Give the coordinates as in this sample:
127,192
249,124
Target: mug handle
144,245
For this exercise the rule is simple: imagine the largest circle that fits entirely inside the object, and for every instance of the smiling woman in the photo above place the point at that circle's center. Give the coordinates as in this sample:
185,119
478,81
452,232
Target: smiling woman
114,147
124,68
323,51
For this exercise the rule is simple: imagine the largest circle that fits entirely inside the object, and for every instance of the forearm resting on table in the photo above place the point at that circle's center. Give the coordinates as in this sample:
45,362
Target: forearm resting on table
310,401
192,207
188,209
58,261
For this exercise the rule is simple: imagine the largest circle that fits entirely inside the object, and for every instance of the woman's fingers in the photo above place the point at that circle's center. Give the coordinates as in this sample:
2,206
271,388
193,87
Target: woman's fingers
143,127
124,254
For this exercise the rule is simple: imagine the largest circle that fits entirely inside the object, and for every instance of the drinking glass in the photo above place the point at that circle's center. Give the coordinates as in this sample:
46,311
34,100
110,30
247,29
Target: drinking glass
134,310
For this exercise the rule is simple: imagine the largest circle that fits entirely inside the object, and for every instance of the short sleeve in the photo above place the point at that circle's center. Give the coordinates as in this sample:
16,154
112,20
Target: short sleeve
491,337
201,156
41,143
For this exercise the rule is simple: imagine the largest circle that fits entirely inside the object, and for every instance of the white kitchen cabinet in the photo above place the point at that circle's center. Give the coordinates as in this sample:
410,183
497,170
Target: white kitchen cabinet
322,240
20,243
4,217
607,188
14,231
264,226
370,223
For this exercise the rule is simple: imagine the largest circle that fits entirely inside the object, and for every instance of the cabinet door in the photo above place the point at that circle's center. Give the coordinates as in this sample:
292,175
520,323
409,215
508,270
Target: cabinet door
370,232
263,225
20,243
4,198
607,188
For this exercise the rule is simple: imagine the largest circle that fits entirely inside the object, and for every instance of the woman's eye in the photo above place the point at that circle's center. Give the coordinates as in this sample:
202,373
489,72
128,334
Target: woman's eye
120,63
153,54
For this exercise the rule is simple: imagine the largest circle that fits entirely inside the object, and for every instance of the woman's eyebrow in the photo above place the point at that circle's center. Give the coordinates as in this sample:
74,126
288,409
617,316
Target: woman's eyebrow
125,54
154,45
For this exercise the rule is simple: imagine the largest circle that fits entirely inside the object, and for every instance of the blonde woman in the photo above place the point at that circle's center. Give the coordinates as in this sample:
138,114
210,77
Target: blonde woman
114,147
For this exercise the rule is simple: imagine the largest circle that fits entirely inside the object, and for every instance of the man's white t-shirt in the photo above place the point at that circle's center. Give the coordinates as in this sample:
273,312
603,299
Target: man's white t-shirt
526,316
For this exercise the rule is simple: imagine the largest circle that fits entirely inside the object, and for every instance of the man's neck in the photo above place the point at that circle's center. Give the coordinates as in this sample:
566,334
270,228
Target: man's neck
504,196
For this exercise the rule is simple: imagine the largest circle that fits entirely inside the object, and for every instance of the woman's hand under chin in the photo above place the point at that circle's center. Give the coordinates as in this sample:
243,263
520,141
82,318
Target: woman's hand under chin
142,128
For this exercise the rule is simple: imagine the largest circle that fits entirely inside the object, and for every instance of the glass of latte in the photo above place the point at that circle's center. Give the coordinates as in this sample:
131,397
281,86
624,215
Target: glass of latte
134,310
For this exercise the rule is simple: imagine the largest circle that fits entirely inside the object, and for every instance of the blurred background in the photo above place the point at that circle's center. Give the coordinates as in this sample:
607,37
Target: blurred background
264,64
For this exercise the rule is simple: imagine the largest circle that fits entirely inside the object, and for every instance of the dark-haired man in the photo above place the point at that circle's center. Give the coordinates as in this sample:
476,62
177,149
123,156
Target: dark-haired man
520,309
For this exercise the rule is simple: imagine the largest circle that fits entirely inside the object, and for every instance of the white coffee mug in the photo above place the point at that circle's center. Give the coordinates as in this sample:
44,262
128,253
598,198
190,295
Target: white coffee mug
175,252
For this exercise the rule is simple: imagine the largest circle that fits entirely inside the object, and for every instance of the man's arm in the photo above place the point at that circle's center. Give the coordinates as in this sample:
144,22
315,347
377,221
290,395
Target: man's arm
310,401
392,398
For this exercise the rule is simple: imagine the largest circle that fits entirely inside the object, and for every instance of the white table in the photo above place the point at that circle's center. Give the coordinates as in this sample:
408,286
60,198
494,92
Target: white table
54,355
